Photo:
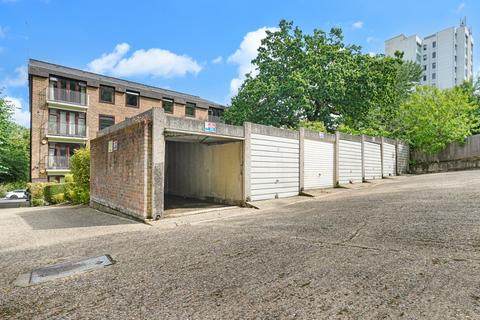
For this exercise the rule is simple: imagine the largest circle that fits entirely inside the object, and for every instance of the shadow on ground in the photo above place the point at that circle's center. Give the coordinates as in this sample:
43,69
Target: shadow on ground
69,217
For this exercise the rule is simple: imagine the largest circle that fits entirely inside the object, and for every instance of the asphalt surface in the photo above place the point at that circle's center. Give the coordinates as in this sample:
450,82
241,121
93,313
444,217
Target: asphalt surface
405,249
13,203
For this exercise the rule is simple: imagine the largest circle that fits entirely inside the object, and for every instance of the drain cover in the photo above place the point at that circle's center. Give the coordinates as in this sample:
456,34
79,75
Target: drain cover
64,270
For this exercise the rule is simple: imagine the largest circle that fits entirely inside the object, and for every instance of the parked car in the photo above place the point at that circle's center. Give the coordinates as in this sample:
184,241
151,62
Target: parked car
17,194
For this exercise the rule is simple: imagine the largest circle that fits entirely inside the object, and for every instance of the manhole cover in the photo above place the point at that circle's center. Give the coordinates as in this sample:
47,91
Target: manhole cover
64,270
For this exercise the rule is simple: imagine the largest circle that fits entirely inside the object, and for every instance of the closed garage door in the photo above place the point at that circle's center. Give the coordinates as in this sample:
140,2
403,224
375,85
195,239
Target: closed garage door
372,160
389,160
403,157
350,161
318,164
274,171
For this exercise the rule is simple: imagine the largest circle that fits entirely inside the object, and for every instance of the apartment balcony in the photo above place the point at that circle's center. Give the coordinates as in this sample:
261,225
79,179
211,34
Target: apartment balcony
65,132
67,99
57,165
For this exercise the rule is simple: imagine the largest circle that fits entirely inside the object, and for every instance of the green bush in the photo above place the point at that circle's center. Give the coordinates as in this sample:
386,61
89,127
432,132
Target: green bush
78,190
58,198
37,190
53,189
77,195
38,202
68,178
80,168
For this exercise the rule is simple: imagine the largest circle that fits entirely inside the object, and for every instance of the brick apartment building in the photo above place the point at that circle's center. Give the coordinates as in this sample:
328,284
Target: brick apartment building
68,106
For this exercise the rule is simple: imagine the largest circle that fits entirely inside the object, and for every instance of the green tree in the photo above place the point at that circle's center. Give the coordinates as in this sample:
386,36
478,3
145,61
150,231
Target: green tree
14,146
317,77
433,118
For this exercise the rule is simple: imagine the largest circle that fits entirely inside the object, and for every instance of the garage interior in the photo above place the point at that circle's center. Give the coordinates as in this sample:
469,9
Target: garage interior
202,172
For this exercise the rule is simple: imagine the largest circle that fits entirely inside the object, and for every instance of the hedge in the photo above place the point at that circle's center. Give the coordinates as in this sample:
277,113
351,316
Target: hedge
53,189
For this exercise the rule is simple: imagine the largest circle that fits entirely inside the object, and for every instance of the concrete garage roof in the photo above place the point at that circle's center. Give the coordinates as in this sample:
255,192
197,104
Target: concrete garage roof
45,69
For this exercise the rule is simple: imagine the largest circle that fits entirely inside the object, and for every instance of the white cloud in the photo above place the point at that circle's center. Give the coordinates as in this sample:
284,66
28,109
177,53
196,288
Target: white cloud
461,6
20,79
245,54
107,62
357,25
217,60
19,115
371,39
152,62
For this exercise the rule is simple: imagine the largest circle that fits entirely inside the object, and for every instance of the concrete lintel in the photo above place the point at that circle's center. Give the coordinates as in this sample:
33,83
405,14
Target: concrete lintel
316,135
273,131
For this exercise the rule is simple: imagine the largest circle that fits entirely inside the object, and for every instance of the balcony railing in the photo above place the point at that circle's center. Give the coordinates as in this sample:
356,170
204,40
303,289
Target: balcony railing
58,162
67,130
215,118
67,96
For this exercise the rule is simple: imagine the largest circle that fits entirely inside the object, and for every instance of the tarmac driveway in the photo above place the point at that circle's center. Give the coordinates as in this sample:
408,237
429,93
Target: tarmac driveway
405,249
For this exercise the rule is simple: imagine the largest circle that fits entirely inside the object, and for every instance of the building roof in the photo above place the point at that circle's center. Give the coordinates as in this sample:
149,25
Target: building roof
45,69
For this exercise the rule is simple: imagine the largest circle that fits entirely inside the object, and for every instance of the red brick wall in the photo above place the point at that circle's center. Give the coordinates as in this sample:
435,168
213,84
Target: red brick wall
119,178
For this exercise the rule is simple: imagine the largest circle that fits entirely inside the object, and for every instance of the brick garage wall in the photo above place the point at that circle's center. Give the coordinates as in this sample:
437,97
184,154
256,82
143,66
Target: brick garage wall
119,179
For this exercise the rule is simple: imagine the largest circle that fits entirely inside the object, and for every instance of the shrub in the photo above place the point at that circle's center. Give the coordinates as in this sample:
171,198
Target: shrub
78,191
38,202
80,168
53,189
58,198
37,190
68,178
77,195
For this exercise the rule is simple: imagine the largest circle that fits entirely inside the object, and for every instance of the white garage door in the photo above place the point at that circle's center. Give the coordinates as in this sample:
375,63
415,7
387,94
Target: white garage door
389,160
403,157
350,161
372,160
318,164
274,167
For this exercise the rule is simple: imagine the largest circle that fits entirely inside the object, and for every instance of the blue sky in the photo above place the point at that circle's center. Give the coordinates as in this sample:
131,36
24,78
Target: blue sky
197,47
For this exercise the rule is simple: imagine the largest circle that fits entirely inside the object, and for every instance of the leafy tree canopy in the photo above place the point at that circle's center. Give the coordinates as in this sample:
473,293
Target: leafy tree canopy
318,78
433,118
14,146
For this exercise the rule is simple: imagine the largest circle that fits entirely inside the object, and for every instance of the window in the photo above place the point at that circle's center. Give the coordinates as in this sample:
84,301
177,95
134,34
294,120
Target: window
132,99
424,78
434,75
105,121
424,57
434,44
107,94
424,67
167,105
424,47
190,109
434,65
434,54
